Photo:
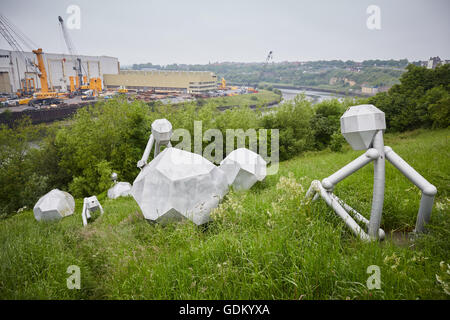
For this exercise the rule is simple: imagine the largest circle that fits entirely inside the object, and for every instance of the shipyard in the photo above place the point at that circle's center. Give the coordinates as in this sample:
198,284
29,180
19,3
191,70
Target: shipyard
34,80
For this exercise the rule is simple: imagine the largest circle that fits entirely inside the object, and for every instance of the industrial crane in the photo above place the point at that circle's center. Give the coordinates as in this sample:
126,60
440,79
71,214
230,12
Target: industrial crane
13,36
77,66
268,58
87,87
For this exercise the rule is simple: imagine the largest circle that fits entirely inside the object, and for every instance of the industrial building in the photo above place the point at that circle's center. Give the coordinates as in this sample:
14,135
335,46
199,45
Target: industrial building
180,81
59,67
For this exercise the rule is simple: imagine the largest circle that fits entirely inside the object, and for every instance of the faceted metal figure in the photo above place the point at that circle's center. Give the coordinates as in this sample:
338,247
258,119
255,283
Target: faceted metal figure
161,134
54,205
120,189
177,185
90,204
363,126
243,168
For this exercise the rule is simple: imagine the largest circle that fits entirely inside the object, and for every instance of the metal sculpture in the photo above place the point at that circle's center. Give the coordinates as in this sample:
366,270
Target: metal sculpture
243,168
119,189
160,136
90,204
178,184
54,205
362,127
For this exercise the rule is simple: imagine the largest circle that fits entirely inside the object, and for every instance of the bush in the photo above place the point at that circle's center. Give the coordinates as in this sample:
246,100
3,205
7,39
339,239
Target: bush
326,121
419,101
336,142
20,184
108,137
293,119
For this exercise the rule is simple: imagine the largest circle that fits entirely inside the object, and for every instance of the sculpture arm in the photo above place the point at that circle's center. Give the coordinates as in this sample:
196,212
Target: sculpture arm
141,163
355,165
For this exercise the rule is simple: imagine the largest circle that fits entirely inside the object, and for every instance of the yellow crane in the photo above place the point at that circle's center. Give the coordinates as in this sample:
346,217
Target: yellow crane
13,36
44,92
223,84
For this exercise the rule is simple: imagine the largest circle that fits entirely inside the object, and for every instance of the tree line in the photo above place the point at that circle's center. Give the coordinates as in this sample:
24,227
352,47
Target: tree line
80,154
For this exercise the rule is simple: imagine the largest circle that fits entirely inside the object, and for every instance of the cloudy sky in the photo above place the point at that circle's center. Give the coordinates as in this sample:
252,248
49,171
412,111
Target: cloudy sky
202,31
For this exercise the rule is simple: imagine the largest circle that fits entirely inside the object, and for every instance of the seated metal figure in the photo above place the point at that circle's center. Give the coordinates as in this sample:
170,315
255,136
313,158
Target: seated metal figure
362,127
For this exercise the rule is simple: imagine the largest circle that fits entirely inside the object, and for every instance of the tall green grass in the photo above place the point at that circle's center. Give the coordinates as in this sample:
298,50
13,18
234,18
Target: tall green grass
265,243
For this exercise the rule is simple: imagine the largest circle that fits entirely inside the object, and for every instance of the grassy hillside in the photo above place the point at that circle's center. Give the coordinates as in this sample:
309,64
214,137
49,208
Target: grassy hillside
265,243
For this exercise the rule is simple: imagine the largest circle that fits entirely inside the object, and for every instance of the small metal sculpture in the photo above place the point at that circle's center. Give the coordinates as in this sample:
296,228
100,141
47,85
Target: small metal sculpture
243,168
362,127
54,205
161,134
119,189
90,204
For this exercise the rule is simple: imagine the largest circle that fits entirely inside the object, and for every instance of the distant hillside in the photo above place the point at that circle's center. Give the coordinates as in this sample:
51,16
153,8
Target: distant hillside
333,74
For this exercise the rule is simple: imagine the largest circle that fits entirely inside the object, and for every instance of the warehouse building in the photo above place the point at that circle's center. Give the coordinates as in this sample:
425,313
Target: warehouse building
180,81
59,67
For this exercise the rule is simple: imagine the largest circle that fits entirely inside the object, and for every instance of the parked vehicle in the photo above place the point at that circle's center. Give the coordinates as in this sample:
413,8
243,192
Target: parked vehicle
44,101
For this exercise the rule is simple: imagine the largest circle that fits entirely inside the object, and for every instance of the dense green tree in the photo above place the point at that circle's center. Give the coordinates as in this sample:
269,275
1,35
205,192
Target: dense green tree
420,100
20,184
293,119
326,121
108,137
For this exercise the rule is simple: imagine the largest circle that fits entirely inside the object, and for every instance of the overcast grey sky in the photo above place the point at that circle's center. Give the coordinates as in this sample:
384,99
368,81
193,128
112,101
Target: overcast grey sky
202,31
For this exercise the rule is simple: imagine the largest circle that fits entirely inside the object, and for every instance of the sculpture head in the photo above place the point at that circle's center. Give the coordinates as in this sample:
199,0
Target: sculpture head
162,130
360,123
114,176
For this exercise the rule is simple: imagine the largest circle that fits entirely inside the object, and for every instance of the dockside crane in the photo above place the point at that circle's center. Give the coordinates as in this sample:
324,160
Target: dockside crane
15,37
268,58
77,65
12,35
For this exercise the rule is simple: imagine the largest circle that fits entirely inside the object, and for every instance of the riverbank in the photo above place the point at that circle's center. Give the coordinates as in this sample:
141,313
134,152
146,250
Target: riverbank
318,89
50,114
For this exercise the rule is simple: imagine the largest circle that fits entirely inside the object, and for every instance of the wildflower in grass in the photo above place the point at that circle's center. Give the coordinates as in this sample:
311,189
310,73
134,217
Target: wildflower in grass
443,205
443,278
392,261
21,209
232,204
288,190
418,258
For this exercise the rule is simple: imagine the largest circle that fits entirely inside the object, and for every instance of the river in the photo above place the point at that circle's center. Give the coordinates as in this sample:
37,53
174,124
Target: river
313,96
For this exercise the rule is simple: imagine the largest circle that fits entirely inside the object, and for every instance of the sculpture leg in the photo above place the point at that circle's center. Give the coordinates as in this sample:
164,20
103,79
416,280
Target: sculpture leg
370,155
358,217
339,210
428,190
424,215
83,213
101,208
378,187
311,192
